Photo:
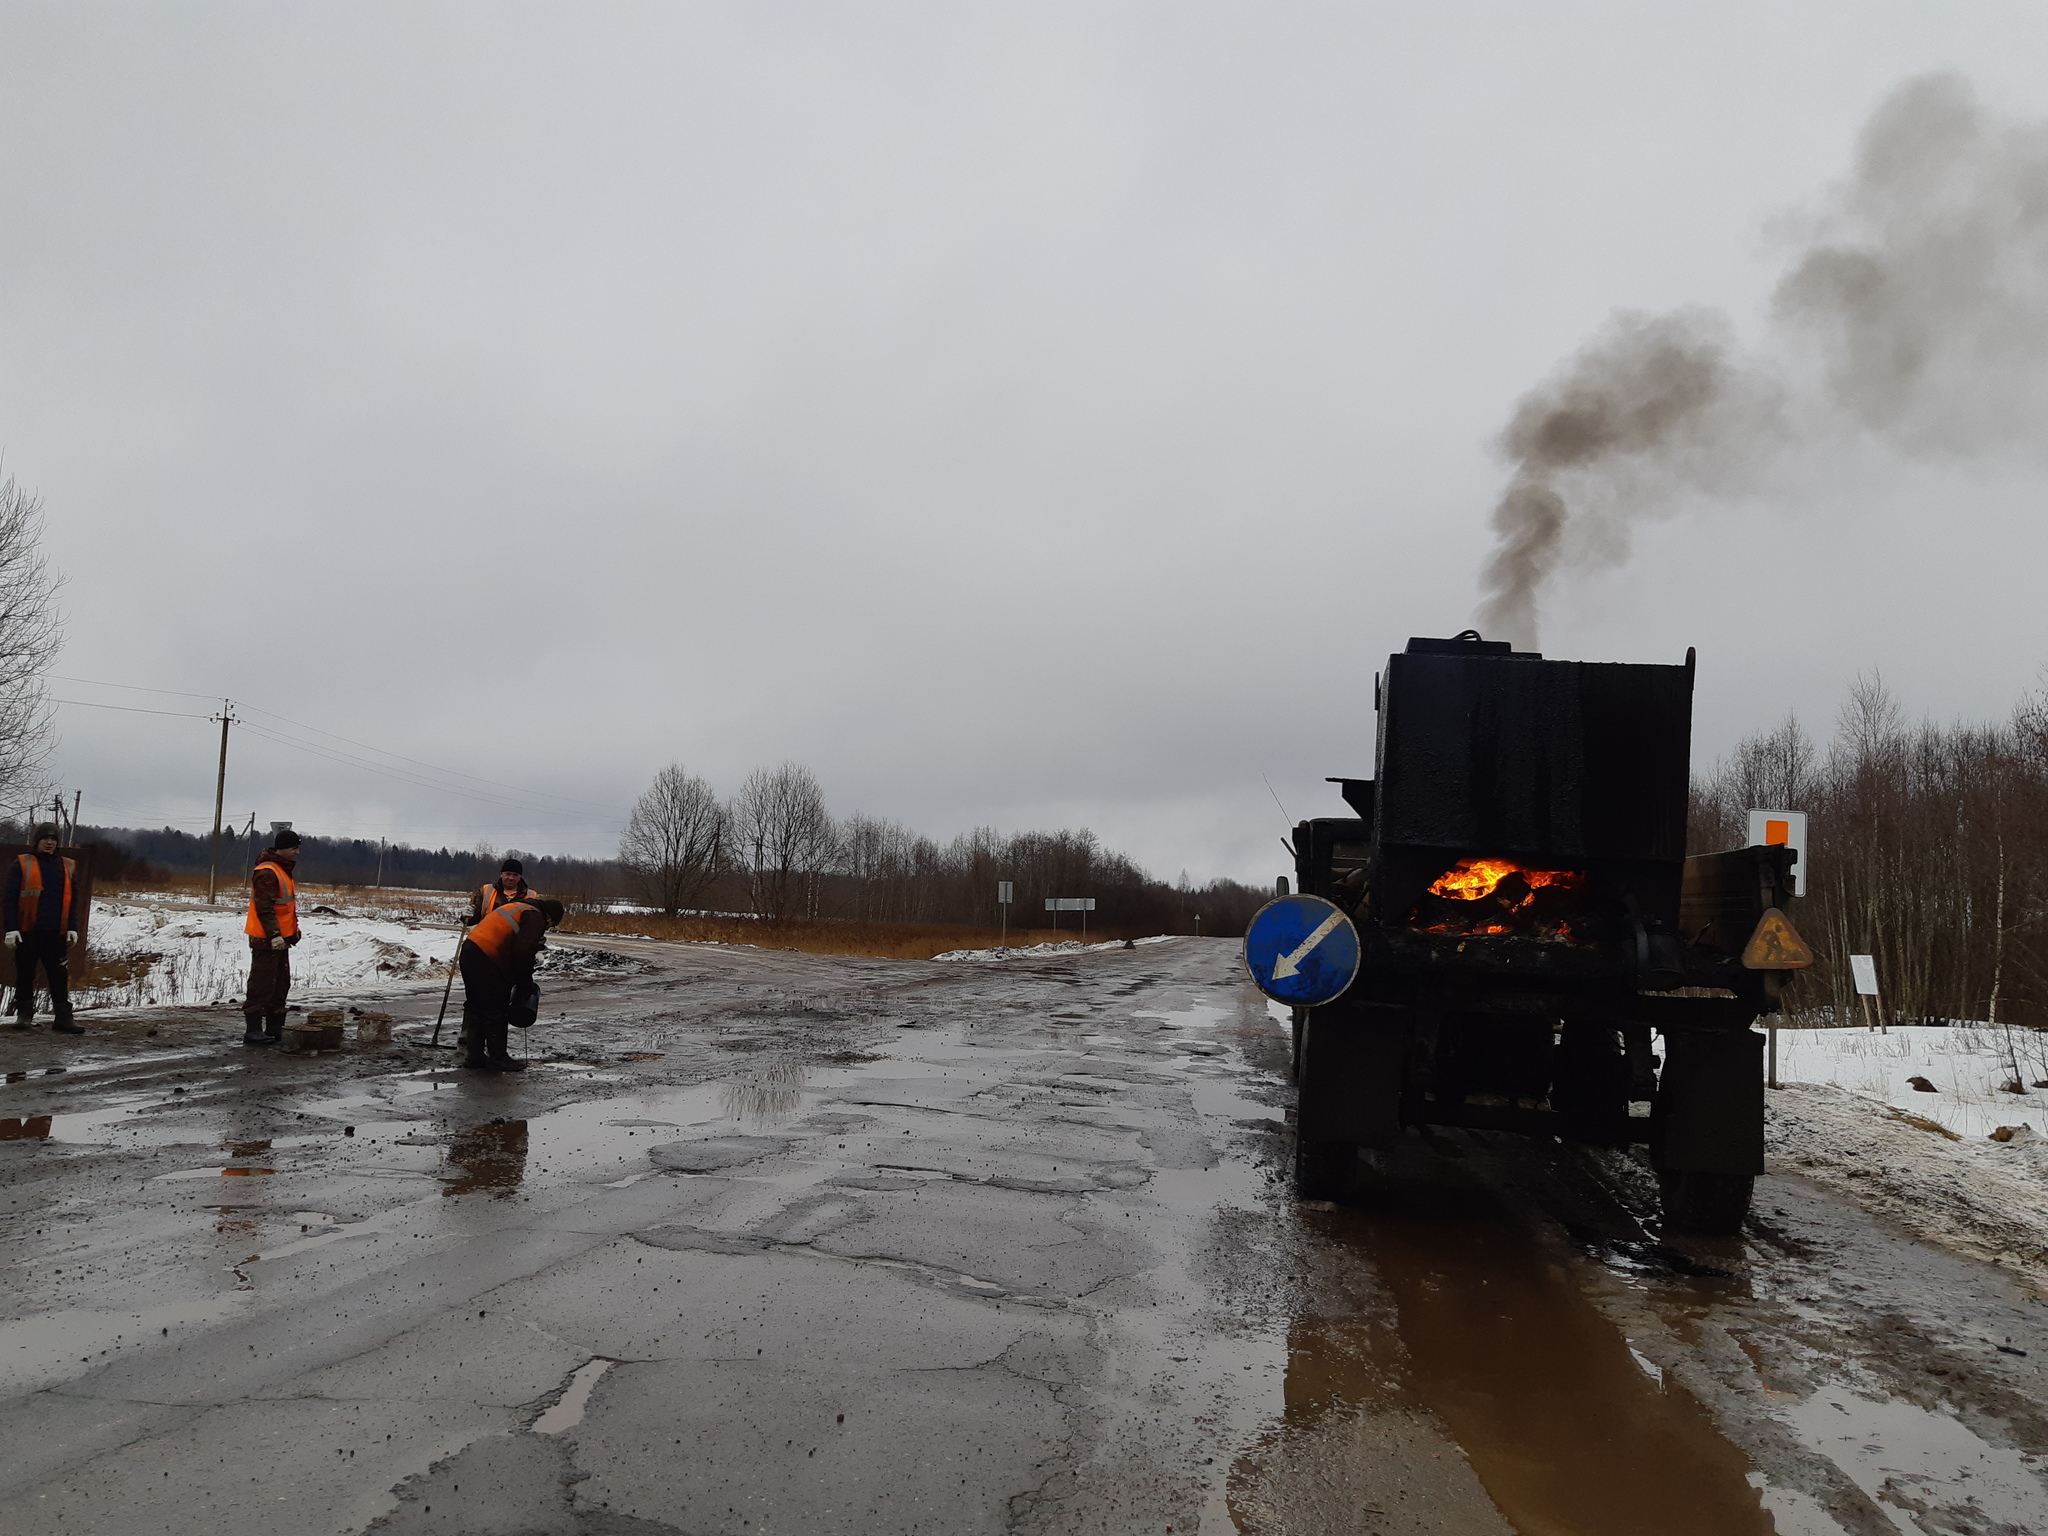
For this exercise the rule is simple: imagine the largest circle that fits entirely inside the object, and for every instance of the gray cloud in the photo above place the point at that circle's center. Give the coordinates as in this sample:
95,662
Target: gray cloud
1026,415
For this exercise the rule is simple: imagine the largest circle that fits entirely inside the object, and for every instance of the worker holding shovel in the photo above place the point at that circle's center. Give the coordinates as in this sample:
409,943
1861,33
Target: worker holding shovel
497,976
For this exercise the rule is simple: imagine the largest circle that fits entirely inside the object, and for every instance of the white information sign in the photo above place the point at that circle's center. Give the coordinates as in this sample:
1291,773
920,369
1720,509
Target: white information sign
1782,828
1864,969
1003,892
1070,903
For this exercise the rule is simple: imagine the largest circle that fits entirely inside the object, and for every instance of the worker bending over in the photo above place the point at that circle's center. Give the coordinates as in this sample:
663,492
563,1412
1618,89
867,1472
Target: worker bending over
509,886
273,928
497,957
42,898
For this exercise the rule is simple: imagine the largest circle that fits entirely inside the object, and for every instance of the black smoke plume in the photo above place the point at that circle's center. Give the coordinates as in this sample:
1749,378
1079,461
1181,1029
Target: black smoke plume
1915,312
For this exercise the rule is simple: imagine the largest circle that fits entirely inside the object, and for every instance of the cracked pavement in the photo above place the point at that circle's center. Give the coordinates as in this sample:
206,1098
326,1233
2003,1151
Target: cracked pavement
779,1242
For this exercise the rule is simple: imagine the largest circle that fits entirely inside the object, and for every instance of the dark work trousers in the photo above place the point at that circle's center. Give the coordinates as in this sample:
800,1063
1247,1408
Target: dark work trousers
270,983
486,1000
47,949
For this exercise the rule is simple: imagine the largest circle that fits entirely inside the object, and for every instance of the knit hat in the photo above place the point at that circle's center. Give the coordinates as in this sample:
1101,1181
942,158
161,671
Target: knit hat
550,909
511,867
45,830
285,839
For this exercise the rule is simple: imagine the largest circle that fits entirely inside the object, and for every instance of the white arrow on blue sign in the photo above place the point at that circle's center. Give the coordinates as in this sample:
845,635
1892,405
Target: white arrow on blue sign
1301,950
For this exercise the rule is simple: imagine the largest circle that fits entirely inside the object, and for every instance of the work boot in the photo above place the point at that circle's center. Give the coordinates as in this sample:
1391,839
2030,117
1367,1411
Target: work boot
67,1026
23,1021
499,1057
474,1057
273,1028
252,1030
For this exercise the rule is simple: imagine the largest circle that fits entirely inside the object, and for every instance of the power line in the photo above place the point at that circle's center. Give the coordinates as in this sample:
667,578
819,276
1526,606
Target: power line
416,762
177,714
176,693
349,760
532,805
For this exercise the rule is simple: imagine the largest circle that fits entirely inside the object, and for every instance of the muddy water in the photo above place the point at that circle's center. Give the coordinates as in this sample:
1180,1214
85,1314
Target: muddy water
1569,1432
491,1157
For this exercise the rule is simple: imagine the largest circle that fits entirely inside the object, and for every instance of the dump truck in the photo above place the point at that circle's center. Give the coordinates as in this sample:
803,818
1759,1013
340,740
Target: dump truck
1535,950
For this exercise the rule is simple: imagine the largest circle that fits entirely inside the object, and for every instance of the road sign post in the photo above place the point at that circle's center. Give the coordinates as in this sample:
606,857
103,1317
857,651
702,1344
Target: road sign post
1864,969
1004,890
1081,904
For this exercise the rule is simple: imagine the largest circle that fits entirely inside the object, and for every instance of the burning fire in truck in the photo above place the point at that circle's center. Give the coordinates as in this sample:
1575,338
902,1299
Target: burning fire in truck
1499,896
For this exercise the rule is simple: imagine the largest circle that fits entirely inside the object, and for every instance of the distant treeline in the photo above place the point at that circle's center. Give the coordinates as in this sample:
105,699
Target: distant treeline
877,872
1929,851
145,854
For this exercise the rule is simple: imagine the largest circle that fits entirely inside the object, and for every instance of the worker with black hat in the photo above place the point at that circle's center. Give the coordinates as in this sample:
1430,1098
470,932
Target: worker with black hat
509,886
41,899
497,959
273,928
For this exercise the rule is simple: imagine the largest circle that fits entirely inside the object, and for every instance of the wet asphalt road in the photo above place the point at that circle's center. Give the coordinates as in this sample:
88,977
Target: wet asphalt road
775,1242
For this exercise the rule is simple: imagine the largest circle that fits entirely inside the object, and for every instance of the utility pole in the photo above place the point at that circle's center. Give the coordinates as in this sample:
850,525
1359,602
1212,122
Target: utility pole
57,814
78,799
226,717
380,864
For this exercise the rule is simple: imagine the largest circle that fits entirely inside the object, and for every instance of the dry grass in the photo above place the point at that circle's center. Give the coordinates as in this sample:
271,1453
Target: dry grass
889,941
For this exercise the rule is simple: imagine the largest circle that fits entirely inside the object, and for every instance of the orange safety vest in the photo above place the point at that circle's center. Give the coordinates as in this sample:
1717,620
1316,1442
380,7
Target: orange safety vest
287,904
496,929
490,898
32,890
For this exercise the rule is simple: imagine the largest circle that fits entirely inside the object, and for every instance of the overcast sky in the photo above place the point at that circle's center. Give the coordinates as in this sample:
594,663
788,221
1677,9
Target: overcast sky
1022,414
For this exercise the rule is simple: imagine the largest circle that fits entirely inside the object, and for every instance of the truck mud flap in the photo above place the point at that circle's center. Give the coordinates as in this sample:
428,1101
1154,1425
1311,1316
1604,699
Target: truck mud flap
1350,1076
1708,1116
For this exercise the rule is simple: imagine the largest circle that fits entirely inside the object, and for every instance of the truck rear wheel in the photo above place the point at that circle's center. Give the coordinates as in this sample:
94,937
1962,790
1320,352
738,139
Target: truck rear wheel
1711,1204
1325,1170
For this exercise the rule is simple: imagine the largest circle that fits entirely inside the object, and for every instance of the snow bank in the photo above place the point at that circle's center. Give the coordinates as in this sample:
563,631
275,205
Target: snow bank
1849,1118
1065,947
195,954
1968,1066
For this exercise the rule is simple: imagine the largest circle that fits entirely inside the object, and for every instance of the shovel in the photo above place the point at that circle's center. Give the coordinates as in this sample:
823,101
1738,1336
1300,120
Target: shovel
447,992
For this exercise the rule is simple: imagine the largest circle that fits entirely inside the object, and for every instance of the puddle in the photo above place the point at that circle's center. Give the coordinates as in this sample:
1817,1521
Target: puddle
1570,1430
770,1094
1916,1463
568,1412
43,1348
489,1156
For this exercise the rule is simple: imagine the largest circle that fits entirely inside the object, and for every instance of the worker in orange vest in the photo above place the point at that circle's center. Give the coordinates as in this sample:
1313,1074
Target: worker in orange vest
509,886
273,928
496,959
41,899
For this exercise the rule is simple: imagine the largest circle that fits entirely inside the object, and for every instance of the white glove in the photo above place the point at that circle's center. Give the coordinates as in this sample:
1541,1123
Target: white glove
280,942
13,938
71,937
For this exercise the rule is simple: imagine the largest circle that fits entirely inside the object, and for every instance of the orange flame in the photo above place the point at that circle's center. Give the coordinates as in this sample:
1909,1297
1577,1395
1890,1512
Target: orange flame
1474,879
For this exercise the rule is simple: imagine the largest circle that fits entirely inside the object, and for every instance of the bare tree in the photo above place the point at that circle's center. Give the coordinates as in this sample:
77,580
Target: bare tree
786,838
31,635
674,840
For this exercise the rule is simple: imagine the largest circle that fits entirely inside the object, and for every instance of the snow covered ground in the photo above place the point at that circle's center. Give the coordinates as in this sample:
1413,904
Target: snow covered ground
201,955
1848,1116
1968,1067
1039,951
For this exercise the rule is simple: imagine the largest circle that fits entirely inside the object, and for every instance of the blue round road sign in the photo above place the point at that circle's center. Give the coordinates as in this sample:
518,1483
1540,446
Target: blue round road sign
1301,950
